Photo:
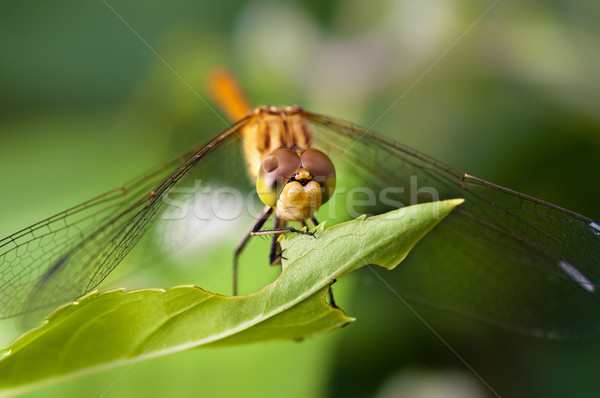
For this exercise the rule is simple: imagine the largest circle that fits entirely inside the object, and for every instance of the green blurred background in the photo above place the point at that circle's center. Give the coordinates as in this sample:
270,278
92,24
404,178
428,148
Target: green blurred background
509,94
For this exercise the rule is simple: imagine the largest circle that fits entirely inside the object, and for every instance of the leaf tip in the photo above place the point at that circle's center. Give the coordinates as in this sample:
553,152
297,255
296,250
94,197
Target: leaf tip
455,202
320,228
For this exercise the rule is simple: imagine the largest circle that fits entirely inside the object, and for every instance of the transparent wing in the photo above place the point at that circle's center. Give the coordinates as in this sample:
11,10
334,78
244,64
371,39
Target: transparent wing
501,257
69,254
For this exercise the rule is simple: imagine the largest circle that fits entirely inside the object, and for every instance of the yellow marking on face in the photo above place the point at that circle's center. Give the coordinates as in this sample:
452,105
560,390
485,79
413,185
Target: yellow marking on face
302,174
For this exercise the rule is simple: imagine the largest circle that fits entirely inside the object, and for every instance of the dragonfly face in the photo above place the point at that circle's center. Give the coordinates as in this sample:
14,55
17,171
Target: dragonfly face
296,183
502,257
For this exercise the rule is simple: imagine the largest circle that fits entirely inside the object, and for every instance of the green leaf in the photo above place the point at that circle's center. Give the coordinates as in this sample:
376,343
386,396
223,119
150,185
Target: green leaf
103,330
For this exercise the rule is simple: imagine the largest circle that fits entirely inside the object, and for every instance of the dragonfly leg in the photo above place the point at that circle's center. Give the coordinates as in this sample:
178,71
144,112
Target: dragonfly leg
279,231
275,254
331,299
313,219
258,224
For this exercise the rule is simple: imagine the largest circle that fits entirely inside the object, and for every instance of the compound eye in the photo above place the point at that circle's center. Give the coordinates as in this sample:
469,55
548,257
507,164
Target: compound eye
322,170
275,170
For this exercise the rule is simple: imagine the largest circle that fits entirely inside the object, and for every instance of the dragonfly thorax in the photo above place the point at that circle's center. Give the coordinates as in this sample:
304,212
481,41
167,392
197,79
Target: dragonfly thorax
269,128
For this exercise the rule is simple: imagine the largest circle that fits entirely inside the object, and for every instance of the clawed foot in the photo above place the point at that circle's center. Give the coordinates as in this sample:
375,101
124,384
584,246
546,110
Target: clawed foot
303,232
278,258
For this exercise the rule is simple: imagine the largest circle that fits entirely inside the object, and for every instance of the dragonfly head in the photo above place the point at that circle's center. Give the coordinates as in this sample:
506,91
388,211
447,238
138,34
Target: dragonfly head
295,183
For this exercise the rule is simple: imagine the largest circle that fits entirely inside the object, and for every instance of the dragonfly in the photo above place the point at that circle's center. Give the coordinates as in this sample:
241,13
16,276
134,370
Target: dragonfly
502,257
